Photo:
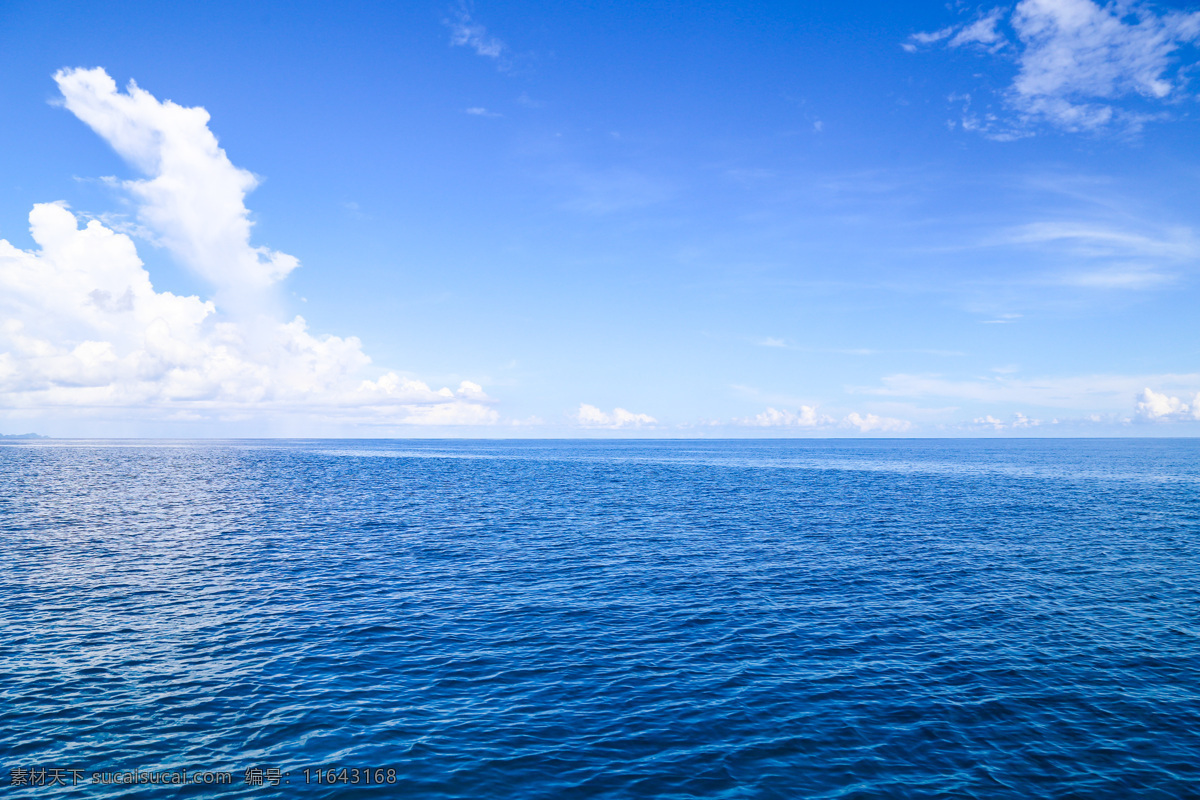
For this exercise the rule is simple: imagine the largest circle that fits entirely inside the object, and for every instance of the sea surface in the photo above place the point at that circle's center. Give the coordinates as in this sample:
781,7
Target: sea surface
599,619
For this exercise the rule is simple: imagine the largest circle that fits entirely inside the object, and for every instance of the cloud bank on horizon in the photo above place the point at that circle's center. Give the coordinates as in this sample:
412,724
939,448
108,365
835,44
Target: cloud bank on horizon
85,332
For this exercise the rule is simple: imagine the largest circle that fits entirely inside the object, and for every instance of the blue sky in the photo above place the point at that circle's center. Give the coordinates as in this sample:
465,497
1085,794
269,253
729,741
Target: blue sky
630,220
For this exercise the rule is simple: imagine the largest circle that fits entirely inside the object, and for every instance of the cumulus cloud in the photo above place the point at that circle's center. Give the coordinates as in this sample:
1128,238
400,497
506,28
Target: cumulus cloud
1017,422
1077,62
82,328
866,423
1153,406
805,417
193,200
590,416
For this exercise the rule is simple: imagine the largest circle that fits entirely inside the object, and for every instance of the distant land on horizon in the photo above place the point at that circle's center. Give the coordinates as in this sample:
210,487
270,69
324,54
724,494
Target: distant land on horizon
22,436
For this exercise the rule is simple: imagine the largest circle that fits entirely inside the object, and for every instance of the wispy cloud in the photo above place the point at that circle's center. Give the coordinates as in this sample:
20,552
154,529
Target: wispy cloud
480,111
783,344
1102,249
1109,393
1078,64
1106,255
1126,277
982,32
466,32
1096,240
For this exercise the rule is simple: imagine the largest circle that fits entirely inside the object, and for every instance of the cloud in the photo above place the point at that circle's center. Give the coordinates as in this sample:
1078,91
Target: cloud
1091,240
83,330
1109,393
980,32
590,416
1155,407
480,111
805,417
1077,62
1113,257
1131,277
465,32
867,423
194,199
1017,422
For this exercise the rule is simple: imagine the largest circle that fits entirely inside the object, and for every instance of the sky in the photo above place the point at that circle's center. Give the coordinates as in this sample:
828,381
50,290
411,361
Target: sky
644,219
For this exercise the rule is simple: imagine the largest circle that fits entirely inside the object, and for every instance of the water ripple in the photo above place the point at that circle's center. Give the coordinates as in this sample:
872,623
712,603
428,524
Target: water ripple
607,619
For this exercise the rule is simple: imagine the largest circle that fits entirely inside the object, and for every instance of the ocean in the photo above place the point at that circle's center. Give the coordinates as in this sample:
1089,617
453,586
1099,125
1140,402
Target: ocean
600,619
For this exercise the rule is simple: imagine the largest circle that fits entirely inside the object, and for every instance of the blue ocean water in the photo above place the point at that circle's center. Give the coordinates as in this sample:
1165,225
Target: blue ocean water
775,619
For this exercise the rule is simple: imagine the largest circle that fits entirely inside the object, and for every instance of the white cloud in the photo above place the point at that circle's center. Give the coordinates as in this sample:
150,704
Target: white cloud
193,201
1002,319
1076,61
1107,255
805,417
867,423
1124,277
480,111
1108,393
1017,422
590,416
1084,239
1155,407
928,37
83,331
465,32
980,32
